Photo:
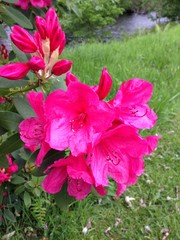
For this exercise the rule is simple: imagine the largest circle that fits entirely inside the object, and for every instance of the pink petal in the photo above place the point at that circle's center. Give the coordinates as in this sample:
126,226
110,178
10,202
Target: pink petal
14,71
104,84
54,181
36,101
44,149
36,63
78,188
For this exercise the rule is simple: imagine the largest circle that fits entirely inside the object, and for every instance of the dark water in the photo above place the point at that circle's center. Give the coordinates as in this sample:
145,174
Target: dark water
134,22
125,24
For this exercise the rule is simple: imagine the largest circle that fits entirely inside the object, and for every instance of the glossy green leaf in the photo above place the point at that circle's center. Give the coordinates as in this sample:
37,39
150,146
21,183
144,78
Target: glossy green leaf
10,143
10,1
23,107
18,180
21,56
19,189
10,120
3,33
1,194
5,83
9,215
3,161
27,199
18,17
49,159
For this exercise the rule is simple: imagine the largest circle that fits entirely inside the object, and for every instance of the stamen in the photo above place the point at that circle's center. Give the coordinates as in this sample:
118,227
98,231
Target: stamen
78,122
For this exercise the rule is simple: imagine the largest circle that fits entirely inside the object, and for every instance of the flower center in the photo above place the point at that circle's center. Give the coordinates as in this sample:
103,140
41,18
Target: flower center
78,122
112,156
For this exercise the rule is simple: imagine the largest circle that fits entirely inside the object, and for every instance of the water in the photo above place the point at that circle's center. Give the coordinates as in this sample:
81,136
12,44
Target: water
132,23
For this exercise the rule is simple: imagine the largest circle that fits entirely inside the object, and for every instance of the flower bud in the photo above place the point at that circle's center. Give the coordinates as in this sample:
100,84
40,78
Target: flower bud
14,71
61,67
23,40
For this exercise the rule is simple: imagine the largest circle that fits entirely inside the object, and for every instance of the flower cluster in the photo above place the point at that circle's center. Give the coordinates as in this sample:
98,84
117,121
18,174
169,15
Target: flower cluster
3,54
102,136
45,46
6,173
24,4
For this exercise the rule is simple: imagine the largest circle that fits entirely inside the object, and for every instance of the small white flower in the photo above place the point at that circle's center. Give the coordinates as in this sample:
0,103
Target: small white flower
147,228
85,230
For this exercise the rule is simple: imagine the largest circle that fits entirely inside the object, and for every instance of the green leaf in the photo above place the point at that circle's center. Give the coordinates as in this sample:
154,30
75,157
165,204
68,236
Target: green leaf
18,180
23,107
37,192
4,91
3,33
10,143
19,189
10,120
21,56
27,199
10,1
11,84
1,194
58,82
9,215
62,198
49,159
3,161
18,17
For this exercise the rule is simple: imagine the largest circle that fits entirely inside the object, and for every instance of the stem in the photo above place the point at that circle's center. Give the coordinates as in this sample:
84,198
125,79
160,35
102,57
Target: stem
23,89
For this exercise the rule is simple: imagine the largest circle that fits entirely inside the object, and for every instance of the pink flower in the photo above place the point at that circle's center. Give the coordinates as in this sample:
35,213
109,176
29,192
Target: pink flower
131,106
119,154
5,174
32,130
14,71
24,4
45,47
76,171
76,118
2,100
4,53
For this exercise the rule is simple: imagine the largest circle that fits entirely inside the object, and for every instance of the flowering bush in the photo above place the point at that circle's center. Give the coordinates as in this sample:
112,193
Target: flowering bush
71,137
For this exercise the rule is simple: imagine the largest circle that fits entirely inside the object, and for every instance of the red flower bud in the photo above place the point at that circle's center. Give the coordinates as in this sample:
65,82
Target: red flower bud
14,71
61,67
23,40
36,63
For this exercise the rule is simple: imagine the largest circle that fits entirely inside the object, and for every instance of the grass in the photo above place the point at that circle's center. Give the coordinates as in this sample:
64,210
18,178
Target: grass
155,210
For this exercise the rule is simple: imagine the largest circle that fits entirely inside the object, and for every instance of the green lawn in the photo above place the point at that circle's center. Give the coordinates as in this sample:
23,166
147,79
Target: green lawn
155,211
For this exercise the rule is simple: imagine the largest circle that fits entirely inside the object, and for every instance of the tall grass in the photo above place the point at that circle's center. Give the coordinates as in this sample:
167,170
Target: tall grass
155,210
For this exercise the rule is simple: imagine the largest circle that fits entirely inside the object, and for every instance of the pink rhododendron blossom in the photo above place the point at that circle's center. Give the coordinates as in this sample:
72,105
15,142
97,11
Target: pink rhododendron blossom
119,154
24,4
75,171
31,130
76,118
131,106
6,173
45,47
